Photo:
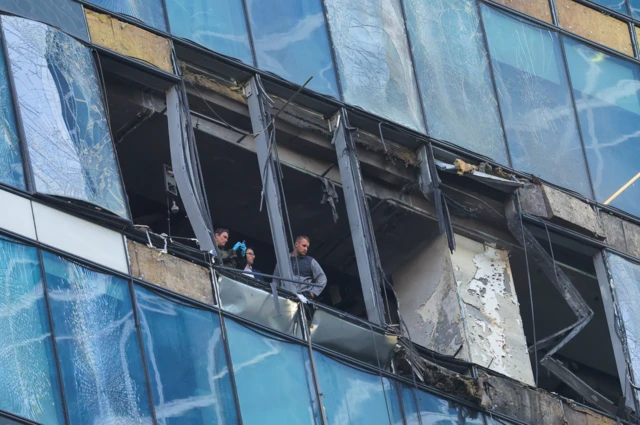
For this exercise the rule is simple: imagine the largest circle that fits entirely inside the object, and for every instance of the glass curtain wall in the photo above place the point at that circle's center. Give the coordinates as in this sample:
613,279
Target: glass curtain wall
150,12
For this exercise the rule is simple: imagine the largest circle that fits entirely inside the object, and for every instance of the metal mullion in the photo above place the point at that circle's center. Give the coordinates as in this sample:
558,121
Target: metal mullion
553,7
247,21
332,50
314,371
56,354
634,40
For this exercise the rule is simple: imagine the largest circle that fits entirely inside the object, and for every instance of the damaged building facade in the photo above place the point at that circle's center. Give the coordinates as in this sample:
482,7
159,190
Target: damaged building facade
466,171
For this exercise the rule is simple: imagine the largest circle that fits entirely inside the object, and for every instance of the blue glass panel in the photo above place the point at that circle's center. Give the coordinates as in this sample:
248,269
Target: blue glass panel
66,15
218,25
290,38
11,171
60,99
535,98
187,363
434,410
28,379
617,5
454,75
97,341
150,12
634,5
607,96
373,59
354,397
273,378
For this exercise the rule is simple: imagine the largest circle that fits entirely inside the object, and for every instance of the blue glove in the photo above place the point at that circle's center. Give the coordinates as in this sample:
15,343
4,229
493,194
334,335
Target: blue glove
241,248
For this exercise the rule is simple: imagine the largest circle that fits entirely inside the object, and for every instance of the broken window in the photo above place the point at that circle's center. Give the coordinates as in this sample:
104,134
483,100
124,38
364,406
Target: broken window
424,408
454,75
353,396
291,40
374,60
218,25
64,14
151,12
536,102
100,357
11,171
606,94
273,378
28,376
67,133
186,360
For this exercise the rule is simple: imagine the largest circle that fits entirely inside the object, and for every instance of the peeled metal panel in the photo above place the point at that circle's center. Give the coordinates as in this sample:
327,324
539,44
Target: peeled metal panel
594,25
537,8
374,60
354,340
66,128
80,237
63,14
454,75
151,12
17,216
258,306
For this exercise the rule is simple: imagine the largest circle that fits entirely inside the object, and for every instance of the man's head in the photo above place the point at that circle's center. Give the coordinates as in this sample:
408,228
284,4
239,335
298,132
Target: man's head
222,236
251,256
302,245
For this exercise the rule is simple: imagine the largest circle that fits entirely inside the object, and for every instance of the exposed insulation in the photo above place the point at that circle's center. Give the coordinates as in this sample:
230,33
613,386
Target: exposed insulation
594,25
578,415
536,8
172,273
129,40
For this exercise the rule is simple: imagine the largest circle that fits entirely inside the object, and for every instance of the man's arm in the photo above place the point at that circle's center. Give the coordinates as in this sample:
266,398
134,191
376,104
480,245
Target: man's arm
318,277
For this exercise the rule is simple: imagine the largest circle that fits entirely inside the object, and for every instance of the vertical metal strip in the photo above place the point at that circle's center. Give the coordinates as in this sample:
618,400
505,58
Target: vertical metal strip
634,40
247,21
332,47
314,370
554,13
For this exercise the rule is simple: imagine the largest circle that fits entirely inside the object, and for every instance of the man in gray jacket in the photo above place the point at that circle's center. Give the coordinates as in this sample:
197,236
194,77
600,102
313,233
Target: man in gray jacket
305,269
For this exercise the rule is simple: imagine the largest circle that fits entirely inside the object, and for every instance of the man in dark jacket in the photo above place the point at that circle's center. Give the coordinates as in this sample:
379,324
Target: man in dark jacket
230,257
305,269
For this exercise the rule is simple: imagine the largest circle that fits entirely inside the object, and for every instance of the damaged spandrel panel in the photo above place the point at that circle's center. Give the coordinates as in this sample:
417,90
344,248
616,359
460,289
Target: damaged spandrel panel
64,14
454,76
374,60
218,25
535,100
151,12
626,285
424,408
100,357
66,129
28,376
11,171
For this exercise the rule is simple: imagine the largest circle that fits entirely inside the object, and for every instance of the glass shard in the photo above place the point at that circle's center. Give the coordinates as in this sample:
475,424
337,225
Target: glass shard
65,124
454,76
151,12
291,40
100,356
66,15
29,384
11,171
273,378
354,397
420,405
535,99
607,93
186,361
373,59
218,25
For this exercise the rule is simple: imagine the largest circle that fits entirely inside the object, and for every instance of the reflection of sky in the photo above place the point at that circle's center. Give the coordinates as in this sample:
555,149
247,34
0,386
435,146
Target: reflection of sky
436,410
150,12
635,8
617,5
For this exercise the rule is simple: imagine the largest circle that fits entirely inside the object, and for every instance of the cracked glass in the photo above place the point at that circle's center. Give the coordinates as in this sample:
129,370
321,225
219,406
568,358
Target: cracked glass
374,60
291,40
353,396
607,93
273,378
427,409
535,100
11,171
66,15
150,12
98,346
218,25
28,376
66,128
454,76
186,361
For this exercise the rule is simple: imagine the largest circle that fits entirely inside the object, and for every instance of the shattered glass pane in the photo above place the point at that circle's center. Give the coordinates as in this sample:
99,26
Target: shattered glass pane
435,410
11,171
354,397
187,363
60,99
28,377
150,12
536,103
100,356
66,15
607,96
617,5
374,60
218,25
273,378
291,40
626,283
454,75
